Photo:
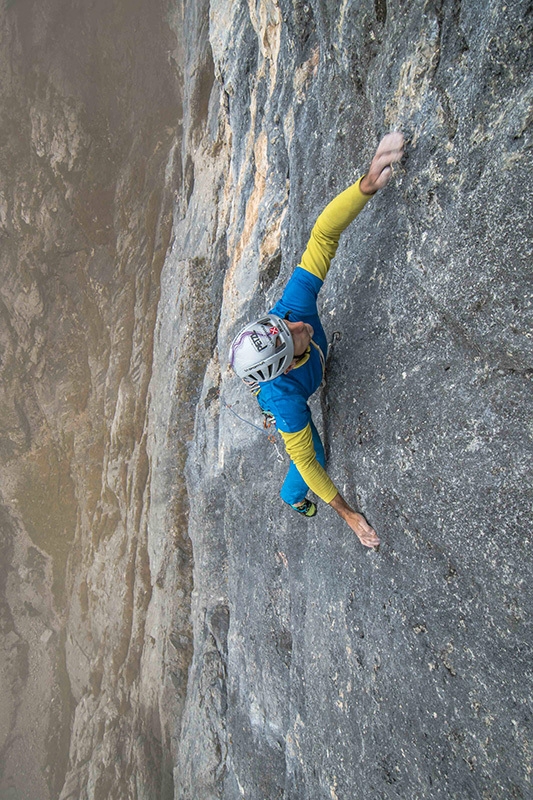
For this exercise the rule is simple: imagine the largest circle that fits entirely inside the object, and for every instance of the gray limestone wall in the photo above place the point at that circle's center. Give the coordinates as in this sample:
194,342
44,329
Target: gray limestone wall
169,628
322,670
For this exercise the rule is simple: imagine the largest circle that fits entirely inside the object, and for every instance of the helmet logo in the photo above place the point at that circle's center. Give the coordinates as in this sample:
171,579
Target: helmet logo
257,343
270,338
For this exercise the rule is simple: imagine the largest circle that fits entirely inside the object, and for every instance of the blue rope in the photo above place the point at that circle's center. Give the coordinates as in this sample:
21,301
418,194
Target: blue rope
263,430
270,435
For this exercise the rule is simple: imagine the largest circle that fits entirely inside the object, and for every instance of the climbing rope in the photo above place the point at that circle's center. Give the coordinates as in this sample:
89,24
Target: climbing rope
267,424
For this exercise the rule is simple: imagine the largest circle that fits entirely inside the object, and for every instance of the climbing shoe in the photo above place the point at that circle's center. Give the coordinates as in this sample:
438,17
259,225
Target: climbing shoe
307,508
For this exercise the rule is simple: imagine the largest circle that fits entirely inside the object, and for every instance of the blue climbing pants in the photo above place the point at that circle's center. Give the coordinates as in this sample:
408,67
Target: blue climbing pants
294,488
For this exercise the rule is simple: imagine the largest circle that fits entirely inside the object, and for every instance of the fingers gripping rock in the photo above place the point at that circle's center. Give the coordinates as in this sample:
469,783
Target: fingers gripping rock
389,151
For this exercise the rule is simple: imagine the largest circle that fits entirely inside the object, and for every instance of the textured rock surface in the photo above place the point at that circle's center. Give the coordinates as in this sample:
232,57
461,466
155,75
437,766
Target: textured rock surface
319,669
169,628
85,227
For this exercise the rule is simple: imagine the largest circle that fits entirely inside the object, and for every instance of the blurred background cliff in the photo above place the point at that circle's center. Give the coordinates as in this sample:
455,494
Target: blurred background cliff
169,629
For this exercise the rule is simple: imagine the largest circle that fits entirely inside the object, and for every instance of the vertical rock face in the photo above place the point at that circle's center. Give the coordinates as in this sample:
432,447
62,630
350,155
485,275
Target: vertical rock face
321,669
169,628
90,111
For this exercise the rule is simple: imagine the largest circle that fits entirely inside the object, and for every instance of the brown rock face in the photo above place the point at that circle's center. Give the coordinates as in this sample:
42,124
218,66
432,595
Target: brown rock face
89,117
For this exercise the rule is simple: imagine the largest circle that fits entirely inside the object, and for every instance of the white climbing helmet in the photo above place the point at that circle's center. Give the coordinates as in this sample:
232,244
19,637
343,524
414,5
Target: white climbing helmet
262,350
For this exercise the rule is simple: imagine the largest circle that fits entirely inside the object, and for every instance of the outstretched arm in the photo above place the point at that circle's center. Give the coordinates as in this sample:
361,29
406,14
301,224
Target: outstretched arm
301,450
390,150
320,250
367,535
344,208
335,218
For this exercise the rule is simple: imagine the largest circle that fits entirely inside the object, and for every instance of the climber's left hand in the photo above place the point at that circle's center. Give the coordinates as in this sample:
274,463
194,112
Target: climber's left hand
390,150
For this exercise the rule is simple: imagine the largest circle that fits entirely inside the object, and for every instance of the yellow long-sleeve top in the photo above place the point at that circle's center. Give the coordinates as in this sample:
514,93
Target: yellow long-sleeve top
335,218
286,397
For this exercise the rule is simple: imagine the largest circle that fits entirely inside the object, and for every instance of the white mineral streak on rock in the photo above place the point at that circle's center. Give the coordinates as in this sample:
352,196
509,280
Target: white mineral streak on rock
265,17
415,80
303,75
259,159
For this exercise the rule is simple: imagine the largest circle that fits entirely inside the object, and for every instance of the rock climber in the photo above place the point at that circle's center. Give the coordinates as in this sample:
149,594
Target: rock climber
281,356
